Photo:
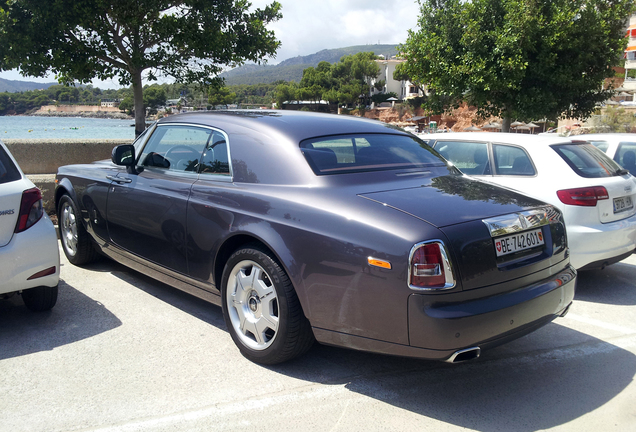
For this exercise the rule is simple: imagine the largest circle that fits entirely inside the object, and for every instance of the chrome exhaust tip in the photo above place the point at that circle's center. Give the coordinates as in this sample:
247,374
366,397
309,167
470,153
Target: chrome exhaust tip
464,355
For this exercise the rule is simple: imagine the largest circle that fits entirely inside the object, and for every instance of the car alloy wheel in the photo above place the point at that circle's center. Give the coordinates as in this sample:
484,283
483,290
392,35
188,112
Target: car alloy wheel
76,243
252,304
68,228
261,308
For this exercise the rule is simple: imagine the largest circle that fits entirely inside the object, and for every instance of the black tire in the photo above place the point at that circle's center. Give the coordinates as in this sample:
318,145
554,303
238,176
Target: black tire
40,299
258,304
76,243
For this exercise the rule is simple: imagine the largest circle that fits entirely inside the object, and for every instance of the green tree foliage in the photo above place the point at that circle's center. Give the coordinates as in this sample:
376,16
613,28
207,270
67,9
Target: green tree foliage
220,95
154,97
516,58
79,40
339,83
285,93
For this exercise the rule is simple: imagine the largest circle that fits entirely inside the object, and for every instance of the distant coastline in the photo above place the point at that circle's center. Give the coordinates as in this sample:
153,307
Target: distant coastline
85,114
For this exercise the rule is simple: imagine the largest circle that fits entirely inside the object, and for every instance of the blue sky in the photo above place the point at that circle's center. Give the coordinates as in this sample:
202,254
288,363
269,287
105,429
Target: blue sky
309,26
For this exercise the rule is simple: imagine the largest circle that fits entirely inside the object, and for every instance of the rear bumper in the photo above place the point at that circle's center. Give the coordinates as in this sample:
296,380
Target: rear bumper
601,242
28,253
443,323
439,325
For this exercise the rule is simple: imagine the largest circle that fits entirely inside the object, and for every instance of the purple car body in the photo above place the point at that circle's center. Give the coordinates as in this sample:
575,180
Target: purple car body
306,226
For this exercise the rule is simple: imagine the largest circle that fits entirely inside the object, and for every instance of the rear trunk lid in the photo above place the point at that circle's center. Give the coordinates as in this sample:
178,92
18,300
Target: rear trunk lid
451,199
493,234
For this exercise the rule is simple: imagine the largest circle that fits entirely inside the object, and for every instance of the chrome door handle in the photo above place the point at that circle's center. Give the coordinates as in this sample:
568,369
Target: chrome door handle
119,179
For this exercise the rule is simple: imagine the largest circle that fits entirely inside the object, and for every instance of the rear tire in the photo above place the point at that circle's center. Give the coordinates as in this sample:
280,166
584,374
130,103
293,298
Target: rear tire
76,243
261,308
40,299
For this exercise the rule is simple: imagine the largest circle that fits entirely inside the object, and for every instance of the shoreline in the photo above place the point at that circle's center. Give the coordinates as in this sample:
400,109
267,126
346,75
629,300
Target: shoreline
85,114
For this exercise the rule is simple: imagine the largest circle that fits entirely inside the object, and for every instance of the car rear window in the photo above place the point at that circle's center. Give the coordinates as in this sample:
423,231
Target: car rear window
367,152
8,171
587,161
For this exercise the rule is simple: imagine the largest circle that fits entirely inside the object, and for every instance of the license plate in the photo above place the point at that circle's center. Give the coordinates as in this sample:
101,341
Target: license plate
623,203
518,242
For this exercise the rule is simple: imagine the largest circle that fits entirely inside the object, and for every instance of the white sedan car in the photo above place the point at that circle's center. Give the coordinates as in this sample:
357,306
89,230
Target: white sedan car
619,146
594,193
29,255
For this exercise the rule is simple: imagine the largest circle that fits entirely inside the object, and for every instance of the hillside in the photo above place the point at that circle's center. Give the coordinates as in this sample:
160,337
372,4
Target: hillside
13,86
292,69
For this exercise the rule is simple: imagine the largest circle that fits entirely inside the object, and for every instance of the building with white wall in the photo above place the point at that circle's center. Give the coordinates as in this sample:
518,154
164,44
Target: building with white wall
630,56
404,89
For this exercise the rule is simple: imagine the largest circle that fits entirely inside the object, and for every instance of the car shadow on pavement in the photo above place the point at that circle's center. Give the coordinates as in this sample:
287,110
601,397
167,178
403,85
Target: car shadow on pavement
546,379
199,308
614,285
543,380
75,317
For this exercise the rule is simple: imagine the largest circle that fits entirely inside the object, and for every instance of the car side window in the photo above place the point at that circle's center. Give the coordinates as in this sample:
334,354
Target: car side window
470,157
626,156
510,160
215,159
175,148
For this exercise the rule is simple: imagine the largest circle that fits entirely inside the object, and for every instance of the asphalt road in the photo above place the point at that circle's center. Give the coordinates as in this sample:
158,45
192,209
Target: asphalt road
121,352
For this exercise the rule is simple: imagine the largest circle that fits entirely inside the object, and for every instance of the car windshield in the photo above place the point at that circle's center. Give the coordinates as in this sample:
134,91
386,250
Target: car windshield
8,171
367,152
587,160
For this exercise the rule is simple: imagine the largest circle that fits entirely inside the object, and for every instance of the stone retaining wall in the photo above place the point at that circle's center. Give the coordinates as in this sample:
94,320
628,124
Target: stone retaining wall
44,156
40,158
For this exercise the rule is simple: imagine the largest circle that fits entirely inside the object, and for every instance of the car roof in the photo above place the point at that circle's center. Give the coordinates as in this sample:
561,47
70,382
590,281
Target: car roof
605,136
294,125
499,137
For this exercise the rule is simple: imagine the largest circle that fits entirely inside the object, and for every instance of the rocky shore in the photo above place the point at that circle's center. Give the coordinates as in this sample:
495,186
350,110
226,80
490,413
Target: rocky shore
88,114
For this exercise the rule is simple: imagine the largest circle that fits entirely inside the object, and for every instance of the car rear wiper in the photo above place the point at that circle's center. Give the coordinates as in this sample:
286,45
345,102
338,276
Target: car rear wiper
622,171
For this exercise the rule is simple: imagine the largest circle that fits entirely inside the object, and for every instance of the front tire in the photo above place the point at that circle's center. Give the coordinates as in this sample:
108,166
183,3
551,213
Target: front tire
261,309
76,242
40,299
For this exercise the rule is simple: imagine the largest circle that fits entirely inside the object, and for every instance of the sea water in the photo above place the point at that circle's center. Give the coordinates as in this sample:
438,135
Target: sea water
32,127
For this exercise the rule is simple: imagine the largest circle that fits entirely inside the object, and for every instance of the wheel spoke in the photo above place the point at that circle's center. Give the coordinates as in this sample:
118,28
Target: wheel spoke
268,314
244,281
253,328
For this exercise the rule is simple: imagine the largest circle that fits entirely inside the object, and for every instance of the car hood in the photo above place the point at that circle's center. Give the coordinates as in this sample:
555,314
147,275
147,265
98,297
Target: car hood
453,199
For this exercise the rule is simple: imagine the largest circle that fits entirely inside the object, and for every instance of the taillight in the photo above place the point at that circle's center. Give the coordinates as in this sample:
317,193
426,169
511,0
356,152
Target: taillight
587,196
30,209
429,267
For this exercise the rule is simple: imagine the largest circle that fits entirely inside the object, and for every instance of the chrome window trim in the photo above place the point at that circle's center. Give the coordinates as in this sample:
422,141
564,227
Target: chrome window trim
210,176
515,222
448,268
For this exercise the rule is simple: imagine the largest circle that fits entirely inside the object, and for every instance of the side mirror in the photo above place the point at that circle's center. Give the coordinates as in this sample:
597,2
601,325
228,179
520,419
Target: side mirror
124,155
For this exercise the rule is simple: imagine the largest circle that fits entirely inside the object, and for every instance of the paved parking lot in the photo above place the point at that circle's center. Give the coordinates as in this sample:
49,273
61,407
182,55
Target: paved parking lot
121,352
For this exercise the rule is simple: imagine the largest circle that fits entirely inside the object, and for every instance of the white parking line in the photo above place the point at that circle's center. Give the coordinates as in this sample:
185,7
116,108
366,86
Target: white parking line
598,323
339,392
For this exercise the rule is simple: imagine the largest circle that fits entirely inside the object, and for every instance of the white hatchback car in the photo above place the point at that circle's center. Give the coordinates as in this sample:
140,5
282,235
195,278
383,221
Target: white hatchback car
29,254
619,146
594,193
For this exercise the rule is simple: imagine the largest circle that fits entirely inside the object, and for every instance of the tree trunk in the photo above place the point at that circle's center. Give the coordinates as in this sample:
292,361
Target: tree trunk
140,112
505,124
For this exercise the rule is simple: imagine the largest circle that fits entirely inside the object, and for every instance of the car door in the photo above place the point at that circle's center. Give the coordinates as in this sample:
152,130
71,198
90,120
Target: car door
213,201
147,209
